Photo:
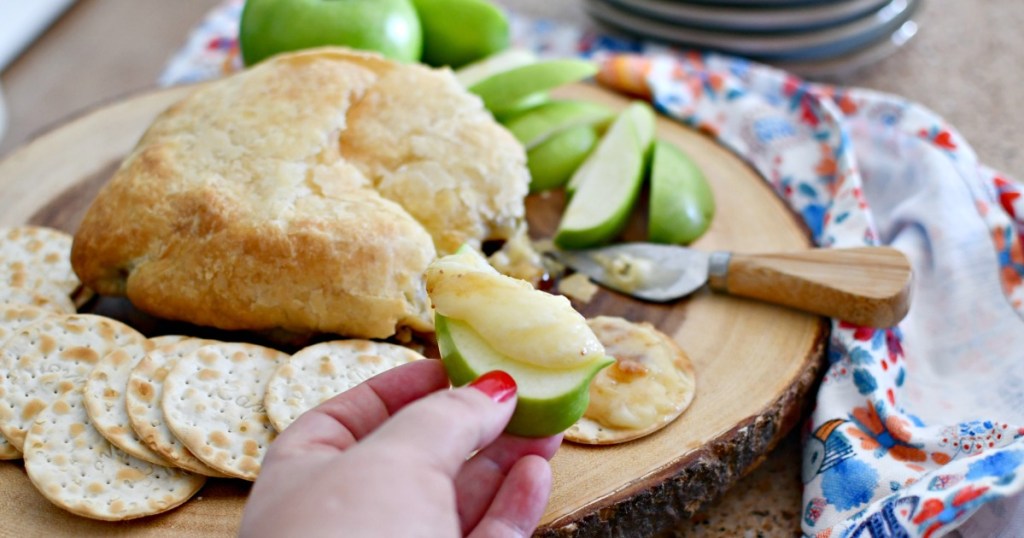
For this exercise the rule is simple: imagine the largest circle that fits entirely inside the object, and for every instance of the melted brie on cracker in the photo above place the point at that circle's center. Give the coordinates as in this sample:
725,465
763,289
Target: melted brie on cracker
650,385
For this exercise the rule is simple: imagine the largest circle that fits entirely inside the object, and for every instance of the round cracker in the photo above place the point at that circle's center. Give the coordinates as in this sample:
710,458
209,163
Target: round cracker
46,298
73,466
13,316
213,403
7,450
321,371
47,358
34,257
105,390
143,396
648,363
168,339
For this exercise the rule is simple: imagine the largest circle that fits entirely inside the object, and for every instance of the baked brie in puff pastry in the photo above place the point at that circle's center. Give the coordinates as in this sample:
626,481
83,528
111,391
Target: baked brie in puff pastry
307,194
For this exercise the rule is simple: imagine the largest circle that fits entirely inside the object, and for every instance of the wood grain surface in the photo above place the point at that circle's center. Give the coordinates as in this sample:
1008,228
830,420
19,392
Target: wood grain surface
755,363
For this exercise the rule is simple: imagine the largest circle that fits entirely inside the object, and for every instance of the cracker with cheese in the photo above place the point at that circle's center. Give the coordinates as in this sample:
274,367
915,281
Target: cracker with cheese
651,383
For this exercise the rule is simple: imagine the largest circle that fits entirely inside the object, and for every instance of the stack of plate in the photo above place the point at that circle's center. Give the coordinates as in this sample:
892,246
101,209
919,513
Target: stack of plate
817,38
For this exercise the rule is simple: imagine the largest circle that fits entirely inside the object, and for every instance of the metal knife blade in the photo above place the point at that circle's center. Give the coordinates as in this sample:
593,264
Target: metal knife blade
648,271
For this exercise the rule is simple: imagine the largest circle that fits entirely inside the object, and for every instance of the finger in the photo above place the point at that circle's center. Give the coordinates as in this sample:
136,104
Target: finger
443,429
520,501
346,418
479,479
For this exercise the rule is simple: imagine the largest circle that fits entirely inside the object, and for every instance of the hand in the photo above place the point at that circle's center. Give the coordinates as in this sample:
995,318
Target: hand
389,458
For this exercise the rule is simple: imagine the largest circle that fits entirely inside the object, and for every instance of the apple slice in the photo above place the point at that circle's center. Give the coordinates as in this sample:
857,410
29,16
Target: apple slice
549,401
487,321
505,60
605,187
479,30
521,106
552,162
506,89
681,202
535,126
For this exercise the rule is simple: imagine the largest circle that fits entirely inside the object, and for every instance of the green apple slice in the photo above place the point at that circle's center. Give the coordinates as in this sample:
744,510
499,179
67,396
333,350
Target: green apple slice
681,202
513,317
608,182
457,32
553,162
523,106
582,172
548,400
506,89
535,126
505,60
487,321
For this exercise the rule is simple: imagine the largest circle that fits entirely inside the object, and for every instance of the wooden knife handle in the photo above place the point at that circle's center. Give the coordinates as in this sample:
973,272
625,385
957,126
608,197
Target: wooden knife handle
867,286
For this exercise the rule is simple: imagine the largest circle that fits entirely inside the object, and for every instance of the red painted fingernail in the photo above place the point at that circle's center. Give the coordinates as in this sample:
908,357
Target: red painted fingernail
497,385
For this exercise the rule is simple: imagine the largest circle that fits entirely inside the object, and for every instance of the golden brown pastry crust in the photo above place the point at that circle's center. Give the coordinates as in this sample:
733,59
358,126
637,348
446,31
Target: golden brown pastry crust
244,205
476,192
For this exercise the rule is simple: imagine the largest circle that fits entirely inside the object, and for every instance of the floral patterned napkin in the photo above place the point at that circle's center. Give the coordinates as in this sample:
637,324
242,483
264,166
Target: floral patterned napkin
918,427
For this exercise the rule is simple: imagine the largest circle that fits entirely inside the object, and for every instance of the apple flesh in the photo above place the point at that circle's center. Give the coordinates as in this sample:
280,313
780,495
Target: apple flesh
605,187
681,202
548,401
505,60
506,90
458,32
512,316
269,27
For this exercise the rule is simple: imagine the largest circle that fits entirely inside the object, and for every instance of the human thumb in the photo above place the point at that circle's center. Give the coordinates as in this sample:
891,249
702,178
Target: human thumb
445,427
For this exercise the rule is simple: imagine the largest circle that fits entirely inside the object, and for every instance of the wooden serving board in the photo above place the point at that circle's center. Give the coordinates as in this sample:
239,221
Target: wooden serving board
755,363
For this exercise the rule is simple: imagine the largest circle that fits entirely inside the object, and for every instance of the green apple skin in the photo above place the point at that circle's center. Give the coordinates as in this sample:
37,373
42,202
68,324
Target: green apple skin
269,27
681,202
505,90
553,162
522,106
537,125
458,32
535,415
608,183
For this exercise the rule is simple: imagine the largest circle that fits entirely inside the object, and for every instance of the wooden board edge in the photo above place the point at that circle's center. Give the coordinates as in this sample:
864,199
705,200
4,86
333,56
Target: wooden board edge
98,107
671,494
675,494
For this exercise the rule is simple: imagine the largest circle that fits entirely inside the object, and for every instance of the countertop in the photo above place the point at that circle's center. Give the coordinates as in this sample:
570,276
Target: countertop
965,64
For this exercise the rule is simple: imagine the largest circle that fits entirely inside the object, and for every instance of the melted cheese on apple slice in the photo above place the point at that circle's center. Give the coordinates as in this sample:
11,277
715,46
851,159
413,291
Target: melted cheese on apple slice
650,384
515,319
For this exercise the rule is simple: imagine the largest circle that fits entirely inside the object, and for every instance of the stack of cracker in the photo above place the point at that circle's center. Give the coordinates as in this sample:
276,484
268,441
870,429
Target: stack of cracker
113,425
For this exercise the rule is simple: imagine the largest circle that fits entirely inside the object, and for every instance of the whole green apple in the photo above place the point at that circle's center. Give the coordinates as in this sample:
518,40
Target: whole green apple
390,27
458,32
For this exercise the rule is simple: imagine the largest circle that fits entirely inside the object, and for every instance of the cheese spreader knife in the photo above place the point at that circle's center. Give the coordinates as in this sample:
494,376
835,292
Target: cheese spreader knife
866,286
